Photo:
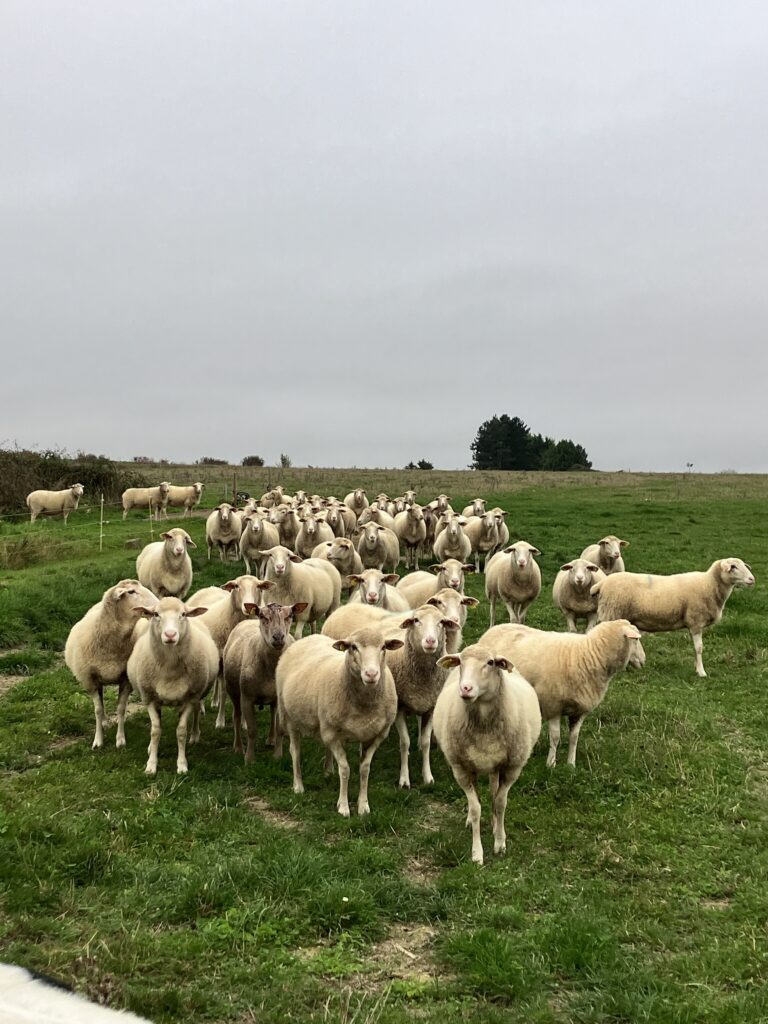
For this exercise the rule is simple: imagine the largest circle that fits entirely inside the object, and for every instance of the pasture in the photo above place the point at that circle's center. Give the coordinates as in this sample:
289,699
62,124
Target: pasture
635,888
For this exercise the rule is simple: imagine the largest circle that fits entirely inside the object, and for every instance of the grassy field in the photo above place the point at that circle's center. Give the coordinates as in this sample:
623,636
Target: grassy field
635,888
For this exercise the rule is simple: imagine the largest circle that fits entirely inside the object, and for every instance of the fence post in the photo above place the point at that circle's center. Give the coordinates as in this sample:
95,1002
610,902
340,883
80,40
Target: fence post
101,525
151,531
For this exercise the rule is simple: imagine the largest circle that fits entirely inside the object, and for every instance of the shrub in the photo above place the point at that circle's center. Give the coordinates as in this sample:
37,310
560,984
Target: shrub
252,460
208,460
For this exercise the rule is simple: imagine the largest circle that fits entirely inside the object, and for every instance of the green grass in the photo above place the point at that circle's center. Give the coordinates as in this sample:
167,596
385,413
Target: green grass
634,890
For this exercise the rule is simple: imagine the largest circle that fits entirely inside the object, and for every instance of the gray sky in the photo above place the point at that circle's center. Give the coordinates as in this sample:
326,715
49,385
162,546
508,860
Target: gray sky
351,232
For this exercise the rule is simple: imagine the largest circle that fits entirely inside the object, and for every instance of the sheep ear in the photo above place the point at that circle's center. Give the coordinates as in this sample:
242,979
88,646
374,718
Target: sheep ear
341,645
623,543
296,558
449,624
264,585
391,577
449,661
354,578
535,551
144,612
632,633
567,566
510,550
503,664
435,568
407,623
189,542
593,568
462,520
119,592
166,536
470,602
194,612
230,585
267,553
299,607
393,645
468,568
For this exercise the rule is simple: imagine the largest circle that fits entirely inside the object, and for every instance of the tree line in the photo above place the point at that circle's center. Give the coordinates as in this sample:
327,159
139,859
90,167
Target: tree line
505,442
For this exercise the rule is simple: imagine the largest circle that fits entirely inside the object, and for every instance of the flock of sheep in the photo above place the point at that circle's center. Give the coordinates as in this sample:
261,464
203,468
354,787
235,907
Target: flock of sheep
393,650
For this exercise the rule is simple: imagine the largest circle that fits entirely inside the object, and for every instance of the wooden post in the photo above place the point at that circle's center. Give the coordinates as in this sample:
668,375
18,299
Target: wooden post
151,531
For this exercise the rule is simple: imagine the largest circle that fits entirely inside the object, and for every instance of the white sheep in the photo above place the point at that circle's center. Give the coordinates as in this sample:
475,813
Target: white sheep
451,541
206,596
373,514
374,589
571,592
173,664
258,533
343,555
486,720
98,648
483,535
314,582
416,587
378,548
165,566
570,672
513,576
153,499
54,503
606,554
356,501
187,497
313,532
249,662
222,530
477,508
335,519
411,532
503,530
288,524
684,600
29,998
340,691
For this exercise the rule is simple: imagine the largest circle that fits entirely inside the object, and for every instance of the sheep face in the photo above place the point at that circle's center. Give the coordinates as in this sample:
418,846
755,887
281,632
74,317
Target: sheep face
522,553
225,511
478,507
371,535
275,621
168,620
635,651
246,592
580,573
426,628
415,515
280,558
365,654
177,541
443,501
77,490
736,573
610,548
131,594
450,603
480,672
372,585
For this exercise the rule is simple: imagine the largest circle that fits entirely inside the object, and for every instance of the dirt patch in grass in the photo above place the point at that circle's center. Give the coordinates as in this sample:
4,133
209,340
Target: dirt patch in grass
278,819
405,954
721,904
7,683
420,872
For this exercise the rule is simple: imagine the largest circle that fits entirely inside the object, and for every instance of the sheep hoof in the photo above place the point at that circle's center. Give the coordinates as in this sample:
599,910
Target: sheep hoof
298,788
477,858
404,784
97,745
151,769
120,742
181,769
701,673
500,849
429,780
343,810
363,808
220,723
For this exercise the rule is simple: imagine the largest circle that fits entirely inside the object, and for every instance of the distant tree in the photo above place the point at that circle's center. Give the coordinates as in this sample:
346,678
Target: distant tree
424,464
142,458
285,461
208,460
252,460
505,442
411,465
565,455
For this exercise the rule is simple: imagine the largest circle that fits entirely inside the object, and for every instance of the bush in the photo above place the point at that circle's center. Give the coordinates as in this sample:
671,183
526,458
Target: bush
285,461
252,460
208,460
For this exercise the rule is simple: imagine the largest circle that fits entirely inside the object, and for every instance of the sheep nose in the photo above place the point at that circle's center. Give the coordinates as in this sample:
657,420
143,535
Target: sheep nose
454,583
170,636
465,691
372,598
430,643
278,640
178,551
371,675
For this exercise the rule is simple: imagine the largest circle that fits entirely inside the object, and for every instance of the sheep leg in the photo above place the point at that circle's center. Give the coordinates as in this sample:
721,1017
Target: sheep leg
328,762
210,546
181,738
154,738
101,718
468,783
342,804
249,714
272,734
194,734
554,739
499,796
698,646
405,745
512,612
574,724
295,741
570,619
221,717
237,720
591,621
365,771
492,613
298,631
425,742
122,703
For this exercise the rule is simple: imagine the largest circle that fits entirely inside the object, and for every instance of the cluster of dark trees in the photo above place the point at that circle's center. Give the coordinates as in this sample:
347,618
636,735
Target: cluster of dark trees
505,442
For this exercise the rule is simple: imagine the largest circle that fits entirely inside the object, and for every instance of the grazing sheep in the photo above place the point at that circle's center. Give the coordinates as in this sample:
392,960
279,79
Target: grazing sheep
418,586
98,648
313,532
184,497
453,606
606,554
477,508
503,530
54,503
442,503
373,514
250,659
222,530
483,534
314,582
571,592
515,579
153,498
206,596
165,566
374,589
411,533
486,720
378,548
174,663
258,533
340,691
343,555
430,527
684,600
570,672
335,519
356,501
288,525
451,541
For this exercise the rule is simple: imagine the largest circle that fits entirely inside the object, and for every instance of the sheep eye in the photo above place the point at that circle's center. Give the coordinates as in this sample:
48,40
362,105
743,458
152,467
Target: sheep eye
489,663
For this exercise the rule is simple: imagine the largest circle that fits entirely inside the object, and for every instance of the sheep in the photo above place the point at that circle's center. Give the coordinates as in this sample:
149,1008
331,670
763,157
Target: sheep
54,503
354,616
258,533
571,592
206,596
483,534
373,514
570,672
378,547
477,508
410,497
223,528
374,589
342,554
98,648
486,719
516,580
411,533
442,503
335,520
245,595
288,525
187,497
27,996
356,501
606,554
503,531
153,498
453,606
452,542
418,586
314,582
174,663
340,691
430,526
313,532
250,659
165,566
685,600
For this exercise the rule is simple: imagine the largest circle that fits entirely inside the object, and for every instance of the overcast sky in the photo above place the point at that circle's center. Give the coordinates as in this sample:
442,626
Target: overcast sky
352,232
